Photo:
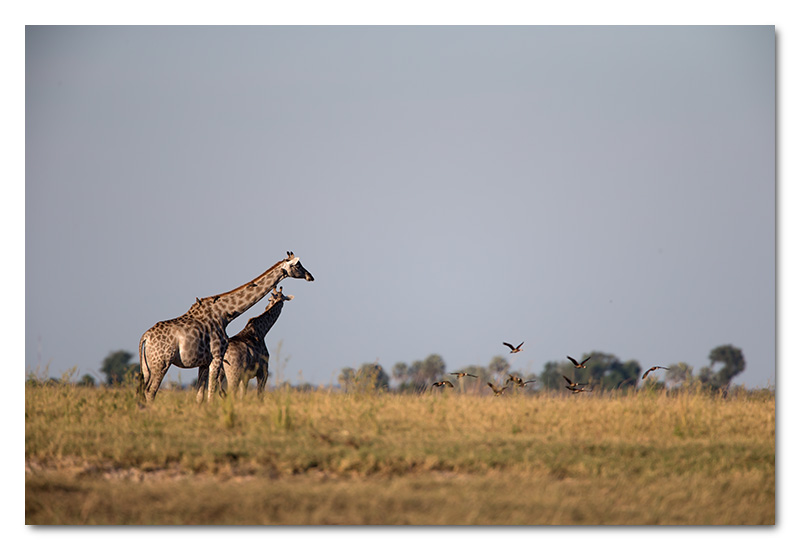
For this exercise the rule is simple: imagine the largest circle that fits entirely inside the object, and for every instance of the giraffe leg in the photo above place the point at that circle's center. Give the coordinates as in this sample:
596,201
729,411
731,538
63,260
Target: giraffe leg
156,375
229,372
261,377
234,380
262,373
223,381
219,345
202,382
213,377
241,383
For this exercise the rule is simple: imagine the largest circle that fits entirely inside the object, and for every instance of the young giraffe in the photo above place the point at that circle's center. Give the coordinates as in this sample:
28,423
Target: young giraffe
197,339
247,356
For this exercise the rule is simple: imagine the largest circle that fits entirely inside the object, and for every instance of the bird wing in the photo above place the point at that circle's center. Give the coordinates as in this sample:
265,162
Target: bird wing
567,379
584,361
509,345
573,360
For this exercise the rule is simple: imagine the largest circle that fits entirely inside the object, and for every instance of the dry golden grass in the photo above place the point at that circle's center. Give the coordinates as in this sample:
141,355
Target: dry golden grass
95,456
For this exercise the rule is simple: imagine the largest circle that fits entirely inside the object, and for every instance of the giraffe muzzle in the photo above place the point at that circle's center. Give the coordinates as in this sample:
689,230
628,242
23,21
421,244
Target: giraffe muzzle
309,276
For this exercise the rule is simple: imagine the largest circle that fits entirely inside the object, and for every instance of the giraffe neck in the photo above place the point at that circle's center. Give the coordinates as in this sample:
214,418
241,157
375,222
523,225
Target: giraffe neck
258,327
228,306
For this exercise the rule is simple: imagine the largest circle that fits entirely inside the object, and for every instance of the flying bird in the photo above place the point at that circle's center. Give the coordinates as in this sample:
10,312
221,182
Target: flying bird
446,383
514,349
462,374
518,381
581,365
497,391
573,385
579,390
651,369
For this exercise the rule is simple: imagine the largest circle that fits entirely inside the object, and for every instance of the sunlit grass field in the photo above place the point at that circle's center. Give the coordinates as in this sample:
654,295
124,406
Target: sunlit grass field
95,456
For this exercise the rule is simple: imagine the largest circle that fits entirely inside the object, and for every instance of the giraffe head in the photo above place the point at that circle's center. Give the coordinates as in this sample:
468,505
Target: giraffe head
293,268
278,296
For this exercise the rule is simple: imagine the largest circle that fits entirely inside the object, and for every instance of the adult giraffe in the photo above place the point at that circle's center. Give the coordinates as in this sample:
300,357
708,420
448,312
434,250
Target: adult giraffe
197,339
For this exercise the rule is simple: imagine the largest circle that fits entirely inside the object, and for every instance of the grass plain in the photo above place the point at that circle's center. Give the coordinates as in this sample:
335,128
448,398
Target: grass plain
95,456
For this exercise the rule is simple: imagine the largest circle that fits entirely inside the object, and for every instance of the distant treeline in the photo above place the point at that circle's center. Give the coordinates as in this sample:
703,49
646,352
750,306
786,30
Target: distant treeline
603,371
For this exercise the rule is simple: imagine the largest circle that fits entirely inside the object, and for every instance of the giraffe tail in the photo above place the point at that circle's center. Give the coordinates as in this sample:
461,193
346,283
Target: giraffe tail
144,376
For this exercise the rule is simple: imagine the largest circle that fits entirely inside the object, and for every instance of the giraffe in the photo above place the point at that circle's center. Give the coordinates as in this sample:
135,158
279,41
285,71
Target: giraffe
247,354
197,339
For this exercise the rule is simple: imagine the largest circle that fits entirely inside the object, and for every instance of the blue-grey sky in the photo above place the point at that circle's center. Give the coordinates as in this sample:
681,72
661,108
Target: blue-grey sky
450,188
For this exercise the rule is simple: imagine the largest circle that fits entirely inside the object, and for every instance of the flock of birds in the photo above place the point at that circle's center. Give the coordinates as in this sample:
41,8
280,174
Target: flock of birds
574,387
